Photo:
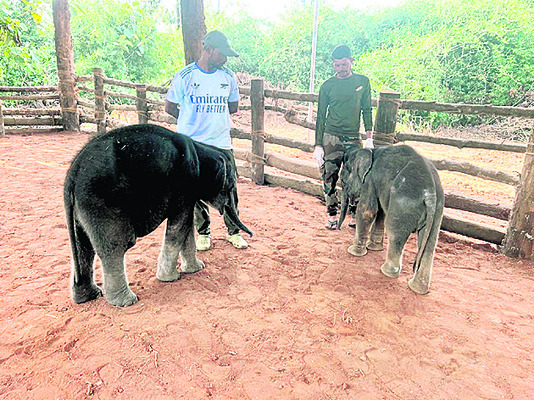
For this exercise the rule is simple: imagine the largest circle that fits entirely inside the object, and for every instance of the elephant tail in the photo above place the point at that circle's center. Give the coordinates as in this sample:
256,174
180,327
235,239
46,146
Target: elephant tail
68,198
430,230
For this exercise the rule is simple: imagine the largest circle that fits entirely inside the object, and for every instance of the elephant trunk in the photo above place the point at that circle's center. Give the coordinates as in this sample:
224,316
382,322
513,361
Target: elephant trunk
232,213
344,206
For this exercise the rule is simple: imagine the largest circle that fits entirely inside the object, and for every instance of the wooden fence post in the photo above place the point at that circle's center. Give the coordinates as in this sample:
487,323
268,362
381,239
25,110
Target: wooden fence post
100,103
141,104
257,100
386,117
519,239
2,129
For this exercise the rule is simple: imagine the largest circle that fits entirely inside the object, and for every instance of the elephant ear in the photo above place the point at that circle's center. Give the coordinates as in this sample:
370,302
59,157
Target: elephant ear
222,173
365,162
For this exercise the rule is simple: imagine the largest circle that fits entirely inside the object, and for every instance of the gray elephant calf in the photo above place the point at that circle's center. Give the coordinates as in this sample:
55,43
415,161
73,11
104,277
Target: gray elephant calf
123,185
397,188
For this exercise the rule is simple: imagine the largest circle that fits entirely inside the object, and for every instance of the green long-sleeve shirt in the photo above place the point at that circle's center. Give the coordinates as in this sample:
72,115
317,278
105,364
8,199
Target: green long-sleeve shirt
341,102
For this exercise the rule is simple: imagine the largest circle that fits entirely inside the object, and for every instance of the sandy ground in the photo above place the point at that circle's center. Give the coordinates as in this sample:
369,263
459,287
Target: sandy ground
294,316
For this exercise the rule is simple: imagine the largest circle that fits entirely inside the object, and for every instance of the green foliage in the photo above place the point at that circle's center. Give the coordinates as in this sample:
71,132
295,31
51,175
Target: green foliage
123,39
26,46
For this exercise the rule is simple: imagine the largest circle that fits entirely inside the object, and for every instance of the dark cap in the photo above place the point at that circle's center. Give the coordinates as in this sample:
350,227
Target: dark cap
341,51
217,40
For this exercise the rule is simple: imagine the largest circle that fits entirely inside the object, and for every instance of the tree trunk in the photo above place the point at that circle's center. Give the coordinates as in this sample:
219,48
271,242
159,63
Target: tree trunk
65,65
193,28
519,241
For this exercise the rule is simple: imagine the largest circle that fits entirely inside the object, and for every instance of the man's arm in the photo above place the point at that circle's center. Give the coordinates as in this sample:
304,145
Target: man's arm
172,108
366,109
233,106
322,106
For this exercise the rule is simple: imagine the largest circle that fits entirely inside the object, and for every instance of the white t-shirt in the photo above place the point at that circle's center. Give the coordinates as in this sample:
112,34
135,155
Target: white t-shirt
203,98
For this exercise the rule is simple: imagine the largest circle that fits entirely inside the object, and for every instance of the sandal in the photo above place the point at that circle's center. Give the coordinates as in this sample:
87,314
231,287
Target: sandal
332,225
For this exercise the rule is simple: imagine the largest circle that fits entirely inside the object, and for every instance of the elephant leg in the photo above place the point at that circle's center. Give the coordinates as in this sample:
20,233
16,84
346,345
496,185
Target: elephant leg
377,233
179,241
116,288
420,282
113,236
83,285
364,222
188,255
397,238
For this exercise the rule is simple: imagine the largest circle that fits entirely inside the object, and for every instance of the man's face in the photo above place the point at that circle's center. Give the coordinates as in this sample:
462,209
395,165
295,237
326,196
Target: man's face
217,60
343,67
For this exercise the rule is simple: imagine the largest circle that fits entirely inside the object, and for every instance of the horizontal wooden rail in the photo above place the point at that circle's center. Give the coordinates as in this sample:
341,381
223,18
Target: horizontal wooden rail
84,78
158,89
161,117
473,170
473,109
28,89
31,111
472,229
18,121
53,96
155,103
117,82
461,143
121,107
87,119
85,88
272,139
494,210
120,95
33,130
84,103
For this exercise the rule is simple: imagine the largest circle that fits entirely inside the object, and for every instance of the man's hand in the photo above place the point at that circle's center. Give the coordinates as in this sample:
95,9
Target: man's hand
318,155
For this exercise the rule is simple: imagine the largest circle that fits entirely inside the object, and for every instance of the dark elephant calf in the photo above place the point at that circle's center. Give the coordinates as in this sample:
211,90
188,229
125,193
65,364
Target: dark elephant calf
123,185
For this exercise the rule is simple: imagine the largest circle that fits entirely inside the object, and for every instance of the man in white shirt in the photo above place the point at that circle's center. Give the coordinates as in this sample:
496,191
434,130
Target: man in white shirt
207,94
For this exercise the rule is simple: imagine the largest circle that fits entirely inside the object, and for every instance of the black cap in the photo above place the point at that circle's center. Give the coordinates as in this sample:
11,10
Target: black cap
341,51
217,40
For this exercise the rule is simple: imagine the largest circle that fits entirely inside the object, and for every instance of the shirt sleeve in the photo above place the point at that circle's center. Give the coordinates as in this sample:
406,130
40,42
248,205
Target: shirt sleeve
367,111
175,94
321,115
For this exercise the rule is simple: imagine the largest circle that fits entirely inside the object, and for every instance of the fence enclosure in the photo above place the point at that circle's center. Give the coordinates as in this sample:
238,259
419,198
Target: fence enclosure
96,102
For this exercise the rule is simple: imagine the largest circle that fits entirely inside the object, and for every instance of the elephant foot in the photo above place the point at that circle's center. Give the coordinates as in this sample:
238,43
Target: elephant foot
190,268
358,251
375,246
167,276
85,293
418,286
388,270
124,298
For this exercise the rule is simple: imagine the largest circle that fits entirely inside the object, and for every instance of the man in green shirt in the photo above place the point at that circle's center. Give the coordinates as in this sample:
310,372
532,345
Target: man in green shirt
342,100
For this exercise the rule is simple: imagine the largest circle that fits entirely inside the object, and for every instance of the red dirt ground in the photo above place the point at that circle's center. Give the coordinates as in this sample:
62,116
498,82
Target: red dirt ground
294,316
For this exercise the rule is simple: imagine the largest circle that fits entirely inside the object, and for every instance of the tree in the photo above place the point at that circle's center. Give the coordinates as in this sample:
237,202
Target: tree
193,28
65,65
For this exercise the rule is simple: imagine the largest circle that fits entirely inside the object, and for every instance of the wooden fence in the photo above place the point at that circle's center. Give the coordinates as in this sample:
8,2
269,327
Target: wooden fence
18,117
96,102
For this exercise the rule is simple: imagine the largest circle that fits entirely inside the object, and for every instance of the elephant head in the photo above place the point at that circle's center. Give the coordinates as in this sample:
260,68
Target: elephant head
225,200
356,165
